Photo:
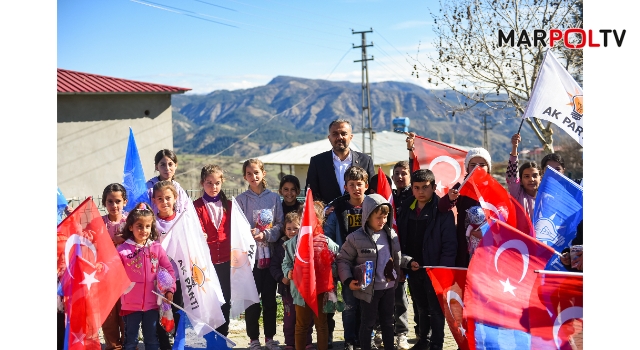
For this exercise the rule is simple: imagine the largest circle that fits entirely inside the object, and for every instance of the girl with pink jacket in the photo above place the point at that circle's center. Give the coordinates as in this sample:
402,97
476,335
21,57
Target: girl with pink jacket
142,256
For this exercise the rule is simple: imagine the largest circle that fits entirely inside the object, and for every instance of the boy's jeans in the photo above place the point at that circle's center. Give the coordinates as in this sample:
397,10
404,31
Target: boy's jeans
350,316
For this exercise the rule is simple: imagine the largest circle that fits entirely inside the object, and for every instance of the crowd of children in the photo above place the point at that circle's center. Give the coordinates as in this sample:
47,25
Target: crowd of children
357,230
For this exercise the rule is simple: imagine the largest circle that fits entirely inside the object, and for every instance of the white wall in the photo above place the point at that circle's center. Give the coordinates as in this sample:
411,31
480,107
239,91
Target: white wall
92,137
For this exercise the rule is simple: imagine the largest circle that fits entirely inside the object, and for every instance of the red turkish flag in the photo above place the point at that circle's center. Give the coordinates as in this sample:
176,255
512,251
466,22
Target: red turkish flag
449,284
501,276
92,274
555,315
304,275
495,200
446,162
385,191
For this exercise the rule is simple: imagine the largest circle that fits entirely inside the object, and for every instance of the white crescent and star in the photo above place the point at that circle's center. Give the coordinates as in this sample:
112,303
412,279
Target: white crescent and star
77,239
574,312
449,160
453,295
78,337
304,230
89,279
486,205
521,247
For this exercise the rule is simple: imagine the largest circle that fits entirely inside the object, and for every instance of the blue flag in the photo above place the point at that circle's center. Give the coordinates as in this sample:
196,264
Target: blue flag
490,337
557,213
134,181
213,339
62,204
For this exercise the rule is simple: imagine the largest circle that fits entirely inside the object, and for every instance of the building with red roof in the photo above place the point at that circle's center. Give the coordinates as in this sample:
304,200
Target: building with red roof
94,116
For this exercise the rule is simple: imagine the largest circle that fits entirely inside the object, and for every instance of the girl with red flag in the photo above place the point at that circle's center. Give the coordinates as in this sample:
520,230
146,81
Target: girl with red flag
309,263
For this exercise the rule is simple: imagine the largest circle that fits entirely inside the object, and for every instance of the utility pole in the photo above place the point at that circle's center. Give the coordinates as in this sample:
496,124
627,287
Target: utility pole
366,108
485,143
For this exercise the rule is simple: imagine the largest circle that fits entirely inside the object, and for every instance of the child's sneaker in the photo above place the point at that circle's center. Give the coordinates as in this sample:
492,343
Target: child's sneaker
401,342
272,344
377,339
255,345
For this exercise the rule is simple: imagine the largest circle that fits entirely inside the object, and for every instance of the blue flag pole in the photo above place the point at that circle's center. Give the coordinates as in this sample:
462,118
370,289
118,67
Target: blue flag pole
133,180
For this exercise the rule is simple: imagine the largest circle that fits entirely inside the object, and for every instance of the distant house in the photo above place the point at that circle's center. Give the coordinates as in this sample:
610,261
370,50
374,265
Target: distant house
388,149
94,116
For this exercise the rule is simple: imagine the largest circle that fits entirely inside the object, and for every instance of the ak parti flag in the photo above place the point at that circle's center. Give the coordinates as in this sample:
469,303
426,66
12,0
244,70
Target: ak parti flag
495,200
201,289
92,275
446,162
304,275
501,277
557,98
555,315
243,256
449,284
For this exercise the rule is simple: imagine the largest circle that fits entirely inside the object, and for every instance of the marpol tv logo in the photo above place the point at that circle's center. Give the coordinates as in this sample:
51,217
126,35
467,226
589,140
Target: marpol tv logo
584,38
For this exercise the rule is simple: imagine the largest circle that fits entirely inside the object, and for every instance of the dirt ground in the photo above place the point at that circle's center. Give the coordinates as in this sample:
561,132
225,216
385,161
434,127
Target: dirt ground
238,335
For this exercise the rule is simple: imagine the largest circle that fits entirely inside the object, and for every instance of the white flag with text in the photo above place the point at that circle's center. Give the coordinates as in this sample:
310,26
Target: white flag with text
243,256
557,97
201,291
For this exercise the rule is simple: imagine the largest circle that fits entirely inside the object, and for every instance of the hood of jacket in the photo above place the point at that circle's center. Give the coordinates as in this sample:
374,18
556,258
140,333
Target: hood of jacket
371,202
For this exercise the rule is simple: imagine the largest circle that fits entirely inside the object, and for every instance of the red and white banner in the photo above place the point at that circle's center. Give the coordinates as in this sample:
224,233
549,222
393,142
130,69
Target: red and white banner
446,162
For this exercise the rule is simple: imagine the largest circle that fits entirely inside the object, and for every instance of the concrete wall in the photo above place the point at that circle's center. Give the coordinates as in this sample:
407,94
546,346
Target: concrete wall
93,132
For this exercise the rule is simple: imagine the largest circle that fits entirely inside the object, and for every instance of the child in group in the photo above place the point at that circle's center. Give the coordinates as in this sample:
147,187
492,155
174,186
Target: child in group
141,256
322,246
524,187
290,190
427,237
553,160
214,212
263,209
346,218
402,180
166,163
374,241
291,228
475,156
114,198
164,196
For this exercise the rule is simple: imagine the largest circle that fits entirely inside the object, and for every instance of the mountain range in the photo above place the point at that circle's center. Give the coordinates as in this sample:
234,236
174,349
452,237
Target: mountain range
290,111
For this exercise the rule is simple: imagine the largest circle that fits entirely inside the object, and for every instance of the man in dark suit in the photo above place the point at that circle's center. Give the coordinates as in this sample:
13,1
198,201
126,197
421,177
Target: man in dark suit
326,171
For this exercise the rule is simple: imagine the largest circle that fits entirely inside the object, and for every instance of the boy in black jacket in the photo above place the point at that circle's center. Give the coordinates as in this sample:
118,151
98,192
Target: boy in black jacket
427,238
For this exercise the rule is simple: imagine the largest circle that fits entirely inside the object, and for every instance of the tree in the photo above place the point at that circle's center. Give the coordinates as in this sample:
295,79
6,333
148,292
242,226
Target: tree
470,62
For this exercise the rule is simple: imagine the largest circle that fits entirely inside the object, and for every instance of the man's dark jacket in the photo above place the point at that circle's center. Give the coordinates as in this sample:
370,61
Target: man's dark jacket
321,176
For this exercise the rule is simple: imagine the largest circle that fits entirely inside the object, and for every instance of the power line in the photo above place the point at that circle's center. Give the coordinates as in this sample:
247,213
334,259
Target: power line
271,19
181,12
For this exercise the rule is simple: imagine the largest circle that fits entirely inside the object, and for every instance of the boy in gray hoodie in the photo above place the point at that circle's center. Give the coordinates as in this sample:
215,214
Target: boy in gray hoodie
375,241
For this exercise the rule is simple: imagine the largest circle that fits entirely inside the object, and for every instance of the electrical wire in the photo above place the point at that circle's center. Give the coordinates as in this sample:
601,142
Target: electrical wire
196,15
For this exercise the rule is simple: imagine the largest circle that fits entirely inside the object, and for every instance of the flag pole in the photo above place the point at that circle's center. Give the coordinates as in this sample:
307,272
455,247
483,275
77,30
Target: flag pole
229,341
520,125
444,267
560,273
